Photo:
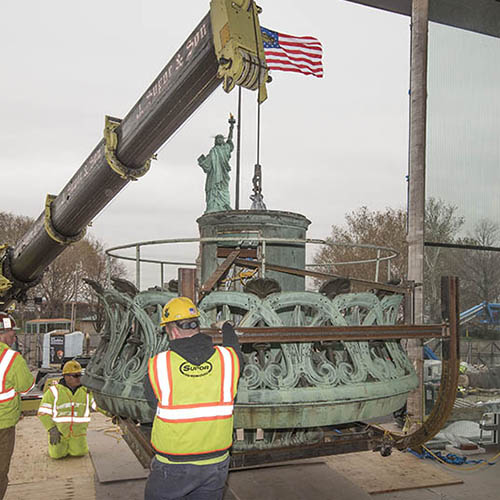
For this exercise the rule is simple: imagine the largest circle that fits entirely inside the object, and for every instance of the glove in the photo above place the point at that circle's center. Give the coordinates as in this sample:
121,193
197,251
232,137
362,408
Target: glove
229,336
55,435
220,324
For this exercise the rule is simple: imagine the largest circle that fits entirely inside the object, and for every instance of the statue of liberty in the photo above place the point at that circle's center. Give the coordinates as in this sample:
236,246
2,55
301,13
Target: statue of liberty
216,166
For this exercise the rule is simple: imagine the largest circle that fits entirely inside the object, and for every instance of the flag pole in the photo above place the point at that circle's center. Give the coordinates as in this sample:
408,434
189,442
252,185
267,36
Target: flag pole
238,144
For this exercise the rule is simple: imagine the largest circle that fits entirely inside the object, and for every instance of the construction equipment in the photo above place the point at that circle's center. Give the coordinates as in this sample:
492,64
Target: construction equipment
488,313
226,46
309,349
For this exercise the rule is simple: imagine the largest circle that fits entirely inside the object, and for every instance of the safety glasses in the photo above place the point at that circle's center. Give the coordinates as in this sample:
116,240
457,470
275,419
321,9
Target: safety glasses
188,325
185,325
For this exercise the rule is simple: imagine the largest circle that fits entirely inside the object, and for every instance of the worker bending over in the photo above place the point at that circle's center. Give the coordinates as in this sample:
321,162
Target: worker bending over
15,379
65,413
192,385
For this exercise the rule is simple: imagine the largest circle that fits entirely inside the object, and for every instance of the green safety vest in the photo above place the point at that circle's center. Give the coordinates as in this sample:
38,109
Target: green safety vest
15,379
69,412
195,402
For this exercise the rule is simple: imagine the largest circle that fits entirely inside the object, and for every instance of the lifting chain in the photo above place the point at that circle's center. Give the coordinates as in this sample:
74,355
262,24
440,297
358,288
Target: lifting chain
257,197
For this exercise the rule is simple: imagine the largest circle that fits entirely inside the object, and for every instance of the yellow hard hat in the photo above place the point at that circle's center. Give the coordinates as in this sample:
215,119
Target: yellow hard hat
177,309
72,366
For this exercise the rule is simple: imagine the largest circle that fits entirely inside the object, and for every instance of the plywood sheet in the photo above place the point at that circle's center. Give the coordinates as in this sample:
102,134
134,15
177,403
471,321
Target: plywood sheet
113,460
400,471
293,482
74,488
31,462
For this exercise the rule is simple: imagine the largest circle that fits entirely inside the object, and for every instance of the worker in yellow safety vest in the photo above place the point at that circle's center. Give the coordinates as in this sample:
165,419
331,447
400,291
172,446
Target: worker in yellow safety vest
15,379
192,385
65,412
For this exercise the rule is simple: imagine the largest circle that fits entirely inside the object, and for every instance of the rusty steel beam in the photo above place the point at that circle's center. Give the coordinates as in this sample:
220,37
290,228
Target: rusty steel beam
187,283
330,333
137,440
352,439
449,371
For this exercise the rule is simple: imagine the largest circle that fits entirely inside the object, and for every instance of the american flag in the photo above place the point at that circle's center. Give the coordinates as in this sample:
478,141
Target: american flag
301,54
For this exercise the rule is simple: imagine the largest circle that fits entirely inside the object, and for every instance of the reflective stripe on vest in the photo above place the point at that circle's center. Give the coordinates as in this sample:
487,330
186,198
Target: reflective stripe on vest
6,360
168,412
66,418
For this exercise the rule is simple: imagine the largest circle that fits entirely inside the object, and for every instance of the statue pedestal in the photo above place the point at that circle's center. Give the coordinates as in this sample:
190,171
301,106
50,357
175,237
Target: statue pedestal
247,226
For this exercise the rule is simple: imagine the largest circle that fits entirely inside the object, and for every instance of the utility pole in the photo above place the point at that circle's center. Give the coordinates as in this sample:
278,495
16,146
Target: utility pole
416,188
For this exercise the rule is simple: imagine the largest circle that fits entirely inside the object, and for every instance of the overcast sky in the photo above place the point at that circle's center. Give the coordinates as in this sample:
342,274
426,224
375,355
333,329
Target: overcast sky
328,145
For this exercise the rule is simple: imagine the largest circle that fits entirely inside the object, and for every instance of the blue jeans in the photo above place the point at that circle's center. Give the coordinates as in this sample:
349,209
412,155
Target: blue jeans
186,481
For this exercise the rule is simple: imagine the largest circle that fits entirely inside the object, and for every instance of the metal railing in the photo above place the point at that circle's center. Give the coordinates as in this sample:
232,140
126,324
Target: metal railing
258,240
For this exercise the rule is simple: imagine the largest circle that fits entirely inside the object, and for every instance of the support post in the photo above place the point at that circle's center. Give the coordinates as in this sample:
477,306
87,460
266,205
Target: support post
138,267
108,270
187,283
416,188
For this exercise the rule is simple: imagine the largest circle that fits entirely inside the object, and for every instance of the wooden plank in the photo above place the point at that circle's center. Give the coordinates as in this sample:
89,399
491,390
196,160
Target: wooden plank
400,471
219,272
313,481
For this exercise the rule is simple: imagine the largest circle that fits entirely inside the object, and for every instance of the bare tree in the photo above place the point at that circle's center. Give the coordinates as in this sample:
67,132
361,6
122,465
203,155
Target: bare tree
384,228
388,228
479,269
442,225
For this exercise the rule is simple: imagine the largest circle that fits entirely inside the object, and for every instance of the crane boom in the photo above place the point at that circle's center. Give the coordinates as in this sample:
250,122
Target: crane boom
193,73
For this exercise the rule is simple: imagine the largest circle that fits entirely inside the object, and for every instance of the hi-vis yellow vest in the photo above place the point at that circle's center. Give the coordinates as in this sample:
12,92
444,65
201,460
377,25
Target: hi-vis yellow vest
15,380
6,361
69,412
195,403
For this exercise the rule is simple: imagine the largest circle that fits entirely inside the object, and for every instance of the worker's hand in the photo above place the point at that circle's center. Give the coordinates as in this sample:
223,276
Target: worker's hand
220,324
55,435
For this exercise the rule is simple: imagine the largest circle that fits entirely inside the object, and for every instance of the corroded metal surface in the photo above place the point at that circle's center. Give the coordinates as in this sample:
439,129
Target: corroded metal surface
246,227
290,392
315,384
301,384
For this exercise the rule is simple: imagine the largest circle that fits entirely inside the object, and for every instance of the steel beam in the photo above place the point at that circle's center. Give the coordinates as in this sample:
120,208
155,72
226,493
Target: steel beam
449,371
331,333
480,16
